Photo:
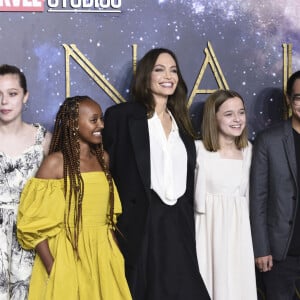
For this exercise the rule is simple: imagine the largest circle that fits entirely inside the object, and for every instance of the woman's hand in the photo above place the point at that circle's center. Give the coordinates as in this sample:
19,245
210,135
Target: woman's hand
44,253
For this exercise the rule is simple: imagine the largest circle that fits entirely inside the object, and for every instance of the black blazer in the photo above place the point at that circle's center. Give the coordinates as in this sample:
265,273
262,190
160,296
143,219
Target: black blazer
126,139
274,192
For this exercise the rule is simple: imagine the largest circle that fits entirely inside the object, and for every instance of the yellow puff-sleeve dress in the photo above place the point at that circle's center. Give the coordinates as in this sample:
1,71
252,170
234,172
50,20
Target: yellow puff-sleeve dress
99,272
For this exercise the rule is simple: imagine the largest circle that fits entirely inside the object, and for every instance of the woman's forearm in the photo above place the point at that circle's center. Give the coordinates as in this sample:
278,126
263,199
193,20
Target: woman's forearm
44,253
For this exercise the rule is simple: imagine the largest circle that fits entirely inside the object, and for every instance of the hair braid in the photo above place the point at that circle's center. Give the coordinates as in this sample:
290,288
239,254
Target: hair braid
100,156
65,139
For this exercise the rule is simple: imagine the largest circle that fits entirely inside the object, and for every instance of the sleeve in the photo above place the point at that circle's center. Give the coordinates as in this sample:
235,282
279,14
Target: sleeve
41,212
259,196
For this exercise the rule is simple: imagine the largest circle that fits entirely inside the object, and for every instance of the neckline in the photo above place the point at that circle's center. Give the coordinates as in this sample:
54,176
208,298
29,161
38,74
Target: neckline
21,155
29,148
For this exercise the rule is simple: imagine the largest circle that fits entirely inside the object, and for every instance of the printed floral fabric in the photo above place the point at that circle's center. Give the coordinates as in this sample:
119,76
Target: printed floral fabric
16,263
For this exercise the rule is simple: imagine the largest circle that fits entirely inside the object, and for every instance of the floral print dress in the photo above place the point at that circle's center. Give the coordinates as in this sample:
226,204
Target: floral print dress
16,263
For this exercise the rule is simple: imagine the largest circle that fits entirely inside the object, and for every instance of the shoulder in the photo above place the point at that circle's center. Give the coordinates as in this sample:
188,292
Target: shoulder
247,151
200,150
276,130
46,142
249,146
127,108
200,146
51,167
42,136
106,158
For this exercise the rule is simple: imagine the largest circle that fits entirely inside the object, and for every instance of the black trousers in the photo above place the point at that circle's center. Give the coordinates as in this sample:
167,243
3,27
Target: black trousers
167,268
280,283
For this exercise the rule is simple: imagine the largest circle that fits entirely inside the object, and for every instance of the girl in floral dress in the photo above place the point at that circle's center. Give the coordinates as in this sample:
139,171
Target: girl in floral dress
22,149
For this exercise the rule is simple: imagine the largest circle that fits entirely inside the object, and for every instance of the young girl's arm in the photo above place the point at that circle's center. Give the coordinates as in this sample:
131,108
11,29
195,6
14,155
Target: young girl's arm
51,168
45,255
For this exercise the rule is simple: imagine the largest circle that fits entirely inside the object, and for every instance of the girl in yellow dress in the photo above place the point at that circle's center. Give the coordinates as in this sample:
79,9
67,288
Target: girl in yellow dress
68,211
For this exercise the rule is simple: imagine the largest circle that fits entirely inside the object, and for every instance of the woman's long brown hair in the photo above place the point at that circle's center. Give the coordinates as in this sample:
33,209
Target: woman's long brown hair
141,90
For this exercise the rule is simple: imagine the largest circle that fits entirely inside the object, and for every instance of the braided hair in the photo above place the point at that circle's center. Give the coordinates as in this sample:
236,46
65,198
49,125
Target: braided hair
66,139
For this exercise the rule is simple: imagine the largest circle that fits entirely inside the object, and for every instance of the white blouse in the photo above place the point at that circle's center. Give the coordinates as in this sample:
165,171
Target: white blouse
168,161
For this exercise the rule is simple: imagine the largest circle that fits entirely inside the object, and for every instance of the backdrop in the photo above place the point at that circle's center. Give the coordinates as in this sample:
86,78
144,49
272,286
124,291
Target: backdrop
238,43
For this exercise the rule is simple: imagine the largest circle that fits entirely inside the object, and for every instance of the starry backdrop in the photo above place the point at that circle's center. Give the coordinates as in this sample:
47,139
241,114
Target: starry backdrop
246,36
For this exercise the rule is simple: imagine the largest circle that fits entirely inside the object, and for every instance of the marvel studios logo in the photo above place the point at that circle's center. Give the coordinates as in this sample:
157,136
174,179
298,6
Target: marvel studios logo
67,6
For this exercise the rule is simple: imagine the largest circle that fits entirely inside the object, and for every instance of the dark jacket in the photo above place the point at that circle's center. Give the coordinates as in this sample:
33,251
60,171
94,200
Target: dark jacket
126,139
273,191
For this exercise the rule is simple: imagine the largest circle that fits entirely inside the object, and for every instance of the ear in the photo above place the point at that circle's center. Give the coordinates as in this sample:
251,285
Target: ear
25,99
288,100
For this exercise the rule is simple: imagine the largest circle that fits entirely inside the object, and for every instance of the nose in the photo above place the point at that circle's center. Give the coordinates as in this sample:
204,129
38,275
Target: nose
167,74
101,123
236,117
3,99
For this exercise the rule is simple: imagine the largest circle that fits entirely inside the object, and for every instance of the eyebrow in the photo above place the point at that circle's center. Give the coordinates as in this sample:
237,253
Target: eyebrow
161,65
231,110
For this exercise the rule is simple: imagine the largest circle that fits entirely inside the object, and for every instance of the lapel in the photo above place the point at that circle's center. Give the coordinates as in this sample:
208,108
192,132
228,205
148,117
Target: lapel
289,146
190,149
138,130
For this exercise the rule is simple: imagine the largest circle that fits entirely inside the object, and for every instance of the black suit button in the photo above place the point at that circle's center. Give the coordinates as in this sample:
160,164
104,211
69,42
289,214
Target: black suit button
133,201
291,222
294,198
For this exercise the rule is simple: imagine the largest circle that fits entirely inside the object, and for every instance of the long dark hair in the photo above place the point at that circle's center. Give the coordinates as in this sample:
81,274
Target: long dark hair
141,90
66,139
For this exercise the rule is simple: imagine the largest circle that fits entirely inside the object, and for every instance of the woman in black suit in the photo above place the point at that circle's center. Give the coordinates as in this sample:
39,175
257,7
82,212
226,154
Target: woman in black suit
152,160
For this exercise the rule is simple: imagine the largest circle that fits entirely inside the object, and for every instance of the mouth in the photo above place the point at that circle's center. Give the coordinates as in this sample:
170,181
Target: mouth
236,126
167,84
5,111
97,133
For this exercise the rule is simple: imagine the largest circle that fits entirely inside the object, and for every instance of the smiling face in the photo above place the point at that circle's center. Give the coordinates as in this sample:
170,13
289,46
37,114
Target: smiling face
164,77
90,122
12,98
231,118
294,102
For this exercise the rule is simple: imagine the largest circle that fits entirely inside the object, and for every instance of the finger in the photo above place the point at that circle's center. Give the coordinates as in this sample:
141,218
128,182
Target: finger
270,264
265,267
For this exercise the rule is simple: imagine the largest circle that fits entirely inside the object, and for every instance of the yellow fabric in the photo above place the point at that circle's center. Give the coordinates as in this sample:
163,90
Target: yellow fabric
99,274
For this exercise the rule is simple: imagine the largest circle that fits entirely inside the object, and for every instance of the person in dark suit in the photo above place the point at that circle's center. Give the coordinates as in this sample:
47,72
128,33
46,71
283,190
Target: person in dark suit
152,160
275,200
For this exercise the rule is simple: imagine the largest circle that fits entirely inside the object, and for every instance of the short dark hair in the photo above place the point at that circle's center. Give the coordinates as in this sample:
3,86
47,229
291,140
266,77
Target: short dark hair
9,69
291,82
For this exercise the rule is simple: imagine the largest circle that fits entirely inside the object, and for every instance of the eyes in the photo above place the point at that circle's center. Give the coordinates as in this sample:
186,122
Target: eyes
230,113
159,69
10,93
95,119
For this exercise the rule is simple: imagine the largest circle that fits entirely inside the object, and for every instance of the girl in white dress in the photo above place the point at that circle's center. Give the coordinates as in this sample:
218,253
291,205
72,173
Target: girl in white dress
223,235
